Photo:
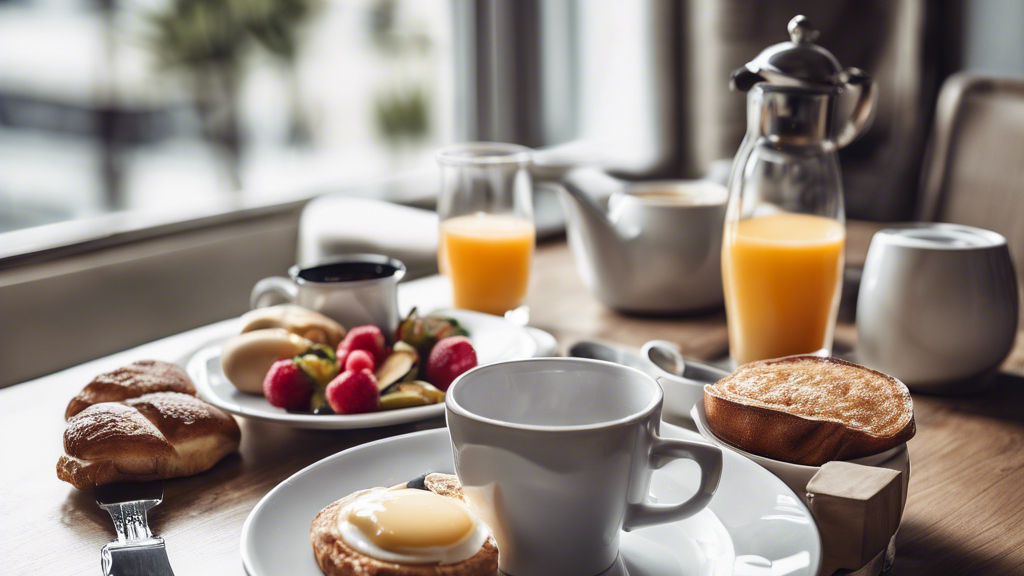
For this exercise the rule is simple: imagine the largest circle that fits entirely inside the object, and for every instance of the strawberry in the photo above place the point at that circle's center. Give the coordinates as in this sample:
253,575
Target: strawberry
353,392
287,386
449,358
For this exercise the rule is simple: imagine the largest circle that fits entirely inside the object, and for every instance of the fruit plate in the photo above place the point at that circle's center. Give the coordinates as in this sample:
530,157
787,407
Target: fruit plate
494,338
754,525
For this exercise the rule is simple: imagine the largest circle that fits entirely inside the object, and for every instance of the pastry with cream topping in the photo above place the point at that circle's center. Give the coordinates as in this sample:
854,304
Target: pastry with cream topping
421,528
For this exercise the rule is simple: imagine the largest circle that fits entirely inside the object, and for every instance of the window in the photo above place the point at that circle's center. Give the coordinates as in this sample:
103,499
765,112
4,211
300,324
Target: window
183,107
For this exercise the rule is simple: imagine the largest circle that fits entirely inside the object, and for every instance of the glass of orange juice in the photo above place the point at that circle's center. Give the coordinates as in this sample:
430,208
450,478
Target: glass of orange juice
487,231
782,275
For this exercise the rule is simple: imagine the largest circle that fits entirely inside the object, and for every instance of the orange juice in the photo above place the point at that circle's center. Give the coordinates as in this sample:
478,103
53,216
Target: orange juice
487,257
782,277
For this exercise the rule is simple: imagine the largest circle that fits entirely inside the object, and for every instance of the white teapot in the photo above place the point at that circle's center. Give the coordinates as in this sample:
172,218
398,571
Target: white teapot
657,246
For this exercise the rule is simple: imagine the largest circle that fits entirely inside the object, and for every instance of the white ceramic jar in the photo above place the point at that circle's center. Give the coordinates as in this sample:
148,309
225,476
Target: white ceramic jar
937,305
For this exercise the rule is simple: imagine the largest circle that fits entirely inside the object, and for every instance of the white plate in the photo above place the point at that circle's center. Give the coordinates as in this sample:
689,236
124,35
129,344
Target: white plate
494,339
753,526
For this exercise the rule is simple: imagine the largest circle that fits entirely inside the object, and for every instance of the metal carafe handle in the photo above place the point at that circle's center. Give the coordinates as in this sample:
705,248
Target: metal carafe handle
863,112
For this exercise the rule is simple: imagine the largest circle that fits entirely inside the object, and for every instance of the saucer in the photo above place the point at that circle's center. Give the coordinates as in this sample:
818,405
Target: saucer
753,525
494,338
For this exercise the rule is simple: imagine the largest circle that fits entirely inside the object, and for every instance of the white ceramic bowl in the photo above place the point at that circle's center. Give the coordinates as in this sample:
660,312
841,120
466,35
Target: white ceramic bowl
796,476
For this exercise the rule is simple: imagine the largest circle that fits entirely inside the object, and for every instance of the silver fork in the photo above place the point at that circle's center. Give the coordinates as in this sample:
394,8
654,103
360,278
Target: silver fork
136,551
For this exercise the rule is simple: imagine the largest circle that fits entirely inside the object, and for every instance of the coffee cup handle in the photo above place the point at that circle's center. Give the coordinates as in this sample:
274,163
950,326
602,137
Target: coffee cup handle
272,291
708,457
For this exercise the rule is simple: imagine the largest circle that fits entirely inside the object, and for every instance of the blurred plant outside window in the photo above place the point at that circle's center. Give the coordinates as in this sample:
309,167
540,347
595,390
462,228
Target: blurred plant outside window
177,105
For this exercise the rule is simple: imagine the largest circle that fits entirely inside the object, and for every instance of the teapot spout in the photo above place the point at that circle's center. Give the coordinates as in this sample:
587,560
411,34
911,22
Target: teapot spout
581,191
601,250
583,210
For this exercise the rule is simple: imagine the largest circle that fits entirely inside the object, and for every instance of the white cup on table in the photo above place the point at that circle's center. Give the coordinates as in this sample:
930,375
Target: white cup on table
556,456
937,305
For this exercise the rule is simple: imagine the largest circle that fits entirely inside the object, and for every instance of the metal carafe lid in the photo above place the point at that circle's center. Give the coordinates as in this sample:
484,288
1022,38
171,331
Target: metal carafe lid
799,62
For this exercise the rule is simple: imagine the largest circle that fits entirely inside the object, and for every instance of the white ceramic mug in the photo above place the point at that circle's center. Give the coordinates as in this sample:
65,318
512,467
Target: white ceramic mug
556,456
937,305
355,290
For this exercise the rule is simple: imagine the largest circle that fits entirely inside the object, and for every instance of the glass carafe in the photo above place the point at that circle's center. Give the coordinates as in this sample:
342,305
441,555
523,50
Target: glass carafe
782,253
784,238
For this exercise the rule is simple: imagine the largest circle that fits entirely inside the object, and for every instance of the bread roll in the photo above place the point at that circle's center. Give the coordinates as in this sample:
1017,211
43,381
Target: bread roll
160,435
246,358
810,410
297,320
132,381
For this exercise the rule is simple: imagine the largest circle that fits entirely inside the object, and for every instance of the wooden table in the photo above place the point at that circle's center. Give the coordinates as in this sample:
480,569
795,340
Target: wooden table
965,513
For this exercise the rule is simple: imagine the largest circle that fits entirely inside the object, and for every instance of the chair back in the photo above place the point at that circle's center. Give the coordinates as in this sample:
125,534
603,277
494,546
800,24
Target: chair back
974,170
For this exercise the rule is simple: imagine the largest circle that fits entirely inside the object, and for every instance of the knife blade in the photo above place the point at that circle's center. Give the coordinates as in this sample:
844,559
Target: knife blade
136,551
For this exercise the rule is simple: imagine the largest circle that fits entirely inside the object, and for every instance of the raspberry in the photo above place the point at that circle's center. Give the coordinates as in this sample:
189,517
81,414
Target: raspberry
353,393
359,360
369,338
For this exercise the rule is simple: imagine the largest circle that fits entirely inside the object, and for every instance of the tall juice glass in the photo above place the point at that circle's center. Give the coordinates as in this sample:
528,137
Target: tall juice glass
487,231
784,238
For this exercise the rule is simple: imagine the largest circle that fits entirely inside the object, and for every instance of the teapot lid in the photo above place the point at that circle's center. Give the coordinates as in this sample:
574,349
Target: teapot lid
799,62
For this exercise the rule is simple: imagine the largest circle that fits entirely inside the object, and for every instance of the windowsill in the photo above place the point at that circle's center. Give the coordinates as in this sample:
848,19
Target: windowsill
50,241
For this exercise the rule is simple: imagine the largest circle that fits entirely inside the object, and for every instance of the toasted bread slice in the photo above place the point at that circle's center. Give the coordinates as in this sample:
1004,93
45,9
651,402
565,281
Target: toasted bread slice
810,410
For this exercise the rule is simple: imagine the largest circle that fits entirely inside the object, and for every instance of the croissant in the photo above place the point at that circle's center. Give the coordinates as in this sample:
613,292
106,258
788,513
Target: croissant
159,435
131,381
